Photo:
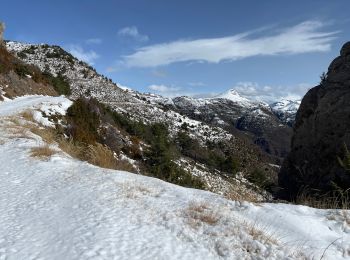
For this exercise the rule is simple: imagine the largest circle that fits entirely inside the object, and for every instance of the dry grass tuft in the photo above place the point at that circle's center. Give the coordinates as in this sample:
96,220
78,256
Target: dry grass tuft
199,213
42,152
134,190
27,115
14,120
124,165
337,201
19,132
260,233
16,128
70,147
101,156
242,194
46,133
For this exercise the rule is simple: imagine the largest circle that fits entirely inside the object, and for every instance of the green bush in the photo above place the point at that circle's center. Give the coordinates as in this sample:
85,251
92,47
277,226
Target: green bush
83,121
161,156
259,178
212,155
59,83
22,70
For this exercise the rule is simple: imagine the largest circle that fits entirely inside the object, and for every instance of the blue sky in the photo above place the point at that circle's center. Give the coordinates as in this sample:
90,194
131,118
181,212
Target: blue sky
264,49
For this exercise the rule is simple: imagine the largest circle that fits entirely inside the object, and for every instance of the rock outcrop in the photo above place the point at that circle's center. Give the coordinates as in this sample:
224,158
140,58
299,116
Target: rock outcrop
321,129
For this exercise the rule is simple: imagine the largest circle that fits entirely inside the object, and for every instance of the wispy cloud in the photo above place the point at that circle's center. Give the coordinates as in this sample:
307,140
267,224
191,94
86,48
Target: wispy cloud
133,32
87,56
93,41
301,38
254,91
169,91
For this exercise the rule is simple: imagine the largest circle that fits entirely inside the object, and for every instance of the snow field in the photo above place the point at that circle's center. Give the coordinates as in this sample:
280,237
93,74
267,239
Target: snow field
62,208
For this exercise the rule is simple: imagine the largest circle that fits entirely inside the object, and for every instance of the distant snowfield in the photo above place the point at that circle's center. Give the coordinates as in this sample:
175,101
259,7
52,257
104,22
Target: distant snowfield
63,208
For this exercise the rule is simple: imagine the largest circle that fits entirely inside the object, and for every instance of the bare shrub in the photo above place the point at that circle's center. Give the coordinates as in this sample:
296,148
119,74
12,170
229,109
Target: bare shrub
42,152
199,213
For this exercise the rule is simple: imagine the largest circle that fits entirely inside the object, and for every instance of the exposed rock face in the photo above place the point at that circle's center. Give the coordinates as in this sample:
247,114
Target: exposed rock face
321,128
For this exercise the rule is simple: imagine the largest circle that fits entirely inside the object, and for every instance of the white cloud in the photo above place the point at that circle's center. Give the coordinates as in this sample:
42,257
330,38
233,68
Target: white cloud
163,88
133,32
87,56
93,41
254,91
301,38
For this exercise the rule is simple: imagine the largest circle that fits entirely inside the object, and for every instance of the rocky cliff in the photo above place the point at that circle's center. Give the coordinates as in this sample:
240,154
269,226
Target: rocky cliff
321,129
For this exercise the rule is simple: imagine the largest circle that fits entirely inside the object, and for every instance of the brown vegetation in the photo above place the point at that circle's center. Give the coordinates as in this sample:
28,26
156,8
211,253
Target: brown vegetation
199,213
42,152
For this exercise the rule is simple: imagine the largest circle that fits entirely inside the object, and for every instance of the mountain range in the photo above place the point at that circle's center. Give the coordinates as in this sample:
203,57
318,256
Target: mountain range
256,133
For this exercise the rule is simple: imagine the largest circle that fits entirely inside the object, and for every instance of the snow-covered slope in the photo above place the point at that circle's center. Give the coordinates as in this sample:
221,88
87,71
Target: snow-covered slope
85,81
61,208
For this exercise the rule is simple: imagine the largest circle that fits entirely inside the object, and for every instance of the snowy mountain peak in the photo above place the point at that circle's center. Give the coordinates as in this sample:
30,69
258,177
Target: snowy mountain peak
234,96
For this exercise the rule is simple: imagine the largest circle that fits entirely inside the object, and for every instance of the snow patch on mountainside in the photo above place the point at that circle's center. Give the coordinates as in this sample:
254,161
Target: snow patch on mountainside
286,109
286,105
